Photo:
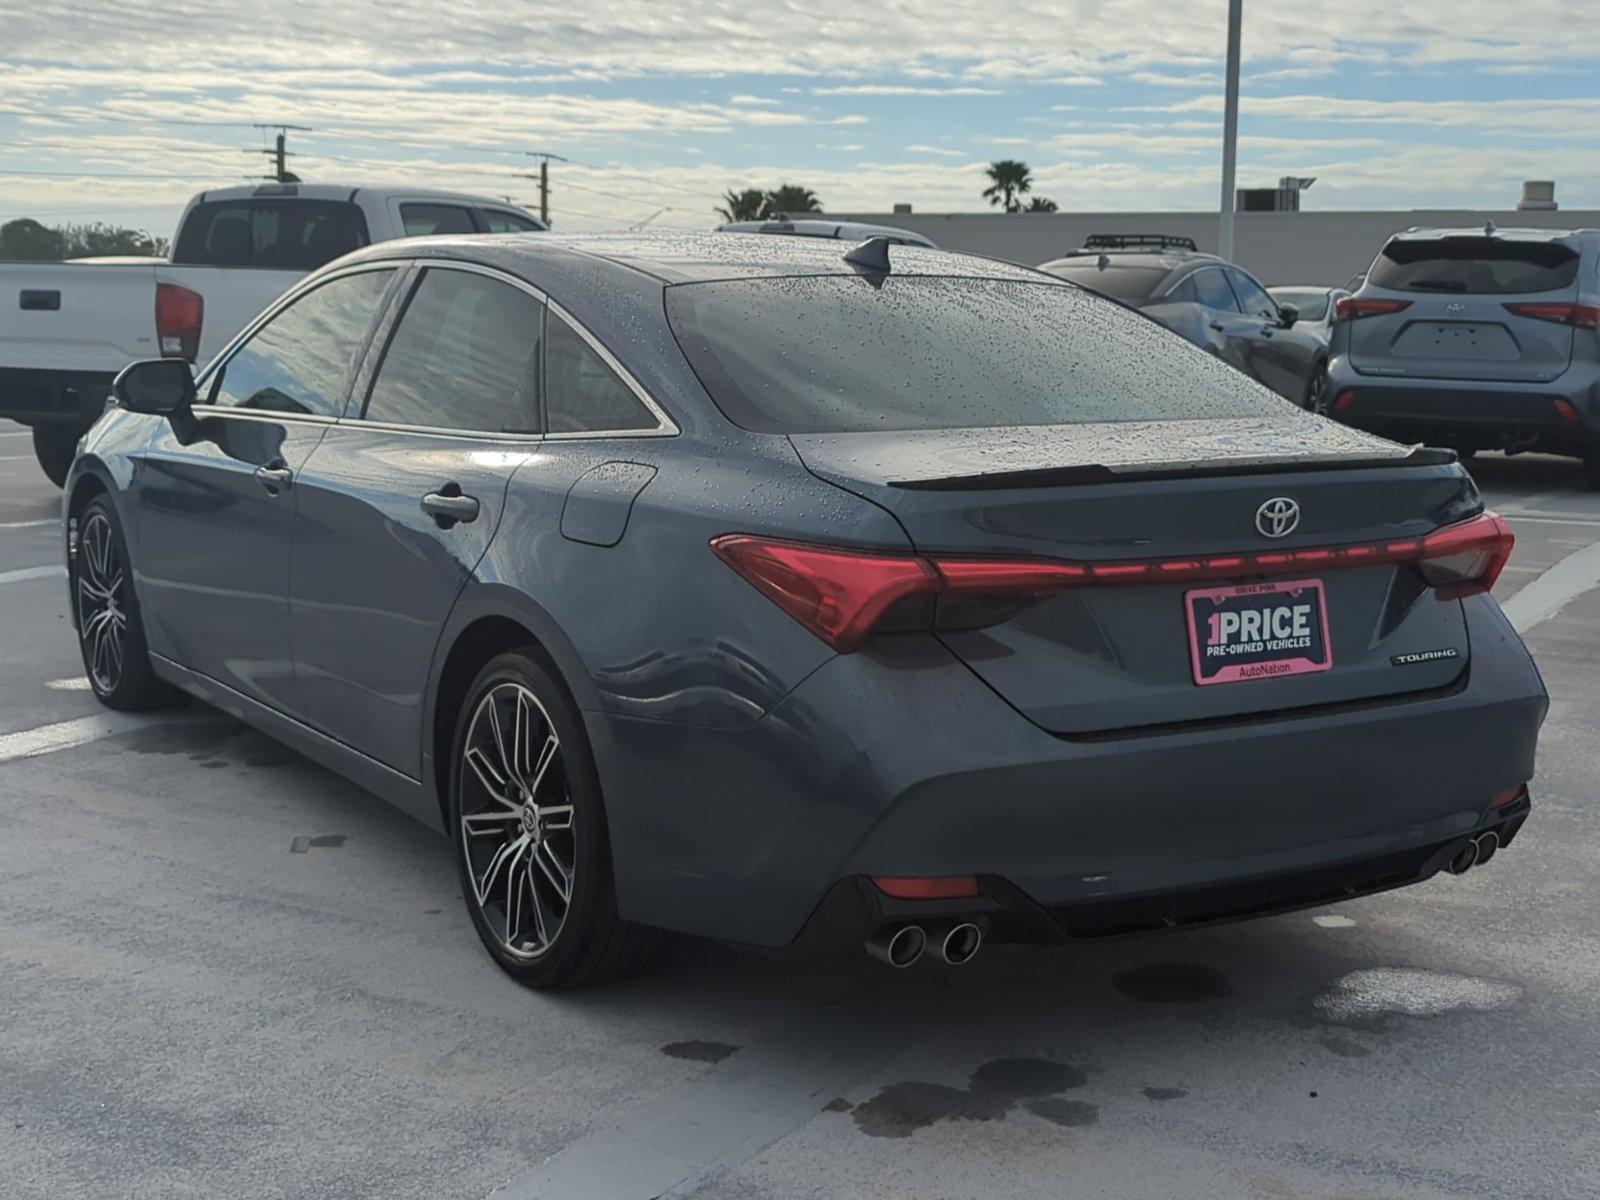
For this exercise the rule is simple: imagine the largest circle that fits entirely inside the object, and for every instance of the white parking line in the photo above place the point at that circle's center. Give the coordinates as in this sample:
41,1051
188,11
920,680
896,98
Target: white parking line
64,735
1547,595
76,683
23,574
30,524
14,457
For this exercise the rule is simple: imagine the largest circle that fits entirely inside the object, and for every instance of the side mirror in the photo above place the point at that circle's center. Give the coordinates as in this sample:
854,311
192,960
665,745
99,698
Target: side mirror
159,386
1288,314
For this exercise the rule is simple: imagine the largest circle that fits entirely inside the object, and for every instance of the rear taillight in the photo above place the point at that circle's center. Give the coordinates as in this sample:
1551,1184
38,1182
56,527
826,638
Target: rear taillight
179,313
844,595
1353,308
1583,316
927,887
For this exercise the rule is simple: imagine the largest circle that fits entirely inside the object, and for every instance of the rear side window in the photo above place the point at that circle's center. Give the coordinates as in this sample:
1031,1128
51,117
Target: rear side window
285,235
301,360
1131,285
464,357
1253,297
1211,286
1479,265
582,393
496,221
422,220
841,353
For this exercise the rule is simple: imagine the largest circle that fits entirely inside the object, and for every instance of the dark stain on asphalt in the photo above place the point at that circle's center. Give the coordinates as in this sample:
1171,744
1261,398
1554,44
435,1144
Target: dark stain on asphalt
327,841
1074,1114
1172,983
837,1105
1164,1093
1344,1047
196,738
994,1089
695,1050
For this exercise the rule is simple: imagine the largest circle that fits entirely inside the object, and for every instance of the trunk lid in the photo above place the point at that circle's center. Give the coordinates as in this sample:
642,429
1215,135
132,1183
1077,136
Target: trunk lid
1093,660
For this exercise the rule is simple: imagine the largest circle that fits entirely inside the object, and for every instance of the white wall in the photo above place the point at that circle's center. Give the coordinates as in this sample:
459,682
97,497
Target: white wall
1303,247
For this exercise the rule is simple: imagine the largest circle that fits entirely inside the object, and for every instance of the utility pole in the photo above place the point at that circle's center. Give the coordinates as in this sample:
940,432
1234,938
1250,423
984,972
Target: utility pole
279,152
1230,130
544,157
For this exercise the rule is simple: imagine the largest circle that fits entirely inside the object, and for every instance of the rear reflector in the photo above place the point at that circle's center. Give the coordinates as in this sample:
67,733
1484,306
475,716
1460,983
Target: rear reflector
1584,316
927,887
179,314
1354,308
1567,412
1344,400
842,595
1509,796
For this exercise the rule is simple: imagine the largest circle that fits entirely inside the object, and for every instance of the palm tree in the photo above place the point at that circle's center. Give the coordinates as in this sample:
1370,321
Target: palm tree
743,205
1040,204
790,198
1008,179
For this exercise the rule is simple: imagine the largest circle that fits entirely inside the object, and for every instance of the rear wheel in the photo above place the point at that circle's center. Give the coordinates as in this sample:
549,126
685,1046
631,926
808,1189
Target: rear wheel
1591,471
532,848
110,629
54,446
1316,399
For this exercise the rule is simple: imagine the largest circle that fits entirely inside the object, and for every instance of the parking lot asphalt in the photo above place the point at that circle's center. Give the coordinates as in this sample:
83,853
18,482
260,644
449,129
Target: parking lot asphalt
226,972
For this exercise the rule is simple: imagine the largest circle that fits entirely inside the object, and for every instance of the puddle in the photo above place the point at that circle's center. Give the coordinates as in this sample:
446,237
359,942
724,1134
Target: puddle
1172,983
1378,992
995,1089
698,1051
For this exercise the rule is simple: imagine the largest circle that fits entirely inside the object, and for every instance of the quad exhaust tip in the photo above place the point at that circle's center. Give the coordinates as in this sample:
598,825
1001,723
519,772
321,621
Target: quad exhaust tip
961,943
1461,862
1486,845
898,947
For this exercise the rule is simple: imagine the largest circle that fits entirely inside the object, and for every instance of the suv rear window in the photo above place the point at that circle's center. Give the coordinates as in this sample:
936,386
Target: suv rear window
1480,265
295,235
844,353
1131,285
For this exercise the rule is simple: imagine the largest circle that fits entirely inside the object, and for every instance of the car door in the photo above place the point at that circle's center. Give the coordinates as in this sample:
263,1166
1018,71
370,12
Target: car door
1282,357
1226,328
217,492
401,498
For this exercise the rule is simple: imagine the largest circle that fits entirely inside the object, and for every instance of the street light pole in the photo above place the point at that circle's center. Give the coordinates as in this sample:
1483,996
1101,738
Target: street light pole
1230,130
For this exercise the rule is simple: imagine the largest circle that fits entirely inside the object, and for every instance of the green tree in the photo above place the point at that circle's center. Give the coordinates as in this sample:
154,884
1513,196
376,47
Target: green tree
97,238
25,240
743,205
790,198
1008,179
1040,204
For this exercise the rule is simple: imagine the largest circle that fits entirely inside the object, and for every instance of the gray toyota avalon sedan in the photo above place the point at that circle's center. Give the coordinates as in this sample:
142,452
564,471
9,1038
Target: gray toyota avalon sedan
801,594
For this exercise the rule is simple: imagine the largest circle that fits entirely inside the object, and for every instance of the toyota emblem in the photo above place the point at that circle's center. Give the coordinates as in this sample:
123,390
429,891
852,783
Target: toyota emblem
1454,307
1278,517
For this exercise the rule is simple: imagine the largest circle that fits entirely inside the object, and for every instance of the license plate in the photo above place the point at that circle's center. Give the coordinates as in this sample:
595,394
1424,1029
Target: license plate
1258,631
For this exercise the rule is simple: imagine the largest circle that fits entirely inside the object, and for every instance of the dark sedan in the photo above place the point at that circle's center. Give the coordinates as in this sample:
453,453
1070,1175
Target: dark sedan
1215,305
799,594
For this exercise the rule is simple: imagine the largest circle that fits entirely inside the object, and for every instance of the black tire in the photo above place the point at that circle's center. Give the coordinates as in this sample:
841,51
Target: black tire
111,637
1591,472
515,896
1317,399
55,446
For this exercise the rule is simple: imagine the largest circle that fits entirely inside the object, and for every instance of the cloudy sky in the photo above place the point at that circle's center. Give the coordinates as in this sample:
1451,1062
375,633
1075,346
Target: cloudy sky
120,109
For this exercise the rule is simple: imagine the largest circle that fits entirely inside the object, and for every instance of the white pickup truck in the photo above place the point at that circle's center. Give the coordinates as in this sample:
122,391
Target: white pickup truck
67,328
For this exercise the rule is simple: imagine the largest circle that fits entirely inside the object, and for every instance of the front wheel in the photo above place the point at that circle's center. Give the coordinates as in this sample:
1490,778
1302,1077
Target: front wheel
110,629
532,848
55,447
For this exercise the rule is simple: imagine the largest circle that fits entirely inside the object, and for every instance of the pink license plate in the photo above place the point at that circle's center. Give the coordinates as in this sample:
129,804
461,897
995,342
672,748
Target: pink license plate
1258,631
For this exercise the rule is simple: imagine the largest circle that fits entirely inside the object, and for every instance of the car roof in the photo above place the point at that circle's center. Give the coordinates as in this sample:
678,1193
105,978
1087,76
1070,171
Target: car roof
341,191
674,258
1513,233
1131,258
810,227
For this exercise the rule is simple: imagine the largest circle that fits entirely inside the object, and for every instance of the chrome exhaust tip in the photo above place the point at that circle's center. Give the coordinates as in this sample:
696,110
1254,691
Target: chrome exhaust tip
961,944
898,947
1486,845
1462,860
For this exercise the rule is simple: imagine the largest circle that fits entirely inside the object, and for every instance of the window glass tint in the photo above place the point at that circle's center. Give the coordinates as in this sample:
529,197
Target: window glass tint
420,220
1253,297
1130,284
842,353
1183,293
1312,303
582,394
299,362
464,356
1488,266
1214,292
285,235
497,221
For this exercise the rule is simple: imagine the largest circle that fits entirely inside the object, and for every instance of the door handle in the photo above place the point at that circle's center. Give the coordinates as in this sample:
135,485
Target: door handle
274,478
448,505
1267,330
1218,327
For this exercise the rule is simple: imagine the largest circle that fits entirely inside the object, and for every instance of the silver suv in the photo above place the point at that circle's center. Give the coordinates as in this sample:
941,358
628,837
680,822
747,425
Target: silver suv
1478,339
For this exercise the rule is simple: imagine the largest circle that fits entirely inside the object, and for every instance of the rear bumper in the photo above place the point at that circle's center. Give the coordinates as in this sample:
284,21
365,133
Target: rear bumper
1473,414
901,762
70,398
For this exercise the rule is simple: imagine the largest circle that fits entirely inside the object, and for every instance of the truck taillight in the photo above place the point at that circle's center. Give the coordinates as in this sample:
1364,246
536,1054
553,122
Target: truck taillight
1355,308
179,313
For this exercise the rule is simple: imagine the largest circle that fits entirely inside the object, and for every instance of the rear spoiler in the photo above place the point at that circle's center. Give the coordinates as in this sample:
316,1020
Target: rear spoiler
1089,473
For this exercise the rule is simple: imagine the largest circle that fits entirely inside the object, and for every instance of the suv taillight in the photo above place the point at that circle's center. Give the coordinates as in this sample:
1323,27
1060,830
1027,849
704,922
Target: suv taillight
843,595
1353,308
1583,316
179,313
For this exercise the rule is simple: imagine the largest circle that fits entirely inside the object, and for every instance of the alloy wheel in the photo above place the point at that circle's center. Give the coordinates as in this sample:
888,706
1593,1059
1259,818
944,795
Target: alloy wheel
102,603
517,831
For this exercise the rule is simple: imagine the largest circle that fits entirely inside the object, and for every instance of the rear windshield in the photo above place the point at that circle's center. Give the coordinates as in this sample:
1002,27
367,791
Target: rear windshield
837,354
1485,266
1311,303
292,235
1131,285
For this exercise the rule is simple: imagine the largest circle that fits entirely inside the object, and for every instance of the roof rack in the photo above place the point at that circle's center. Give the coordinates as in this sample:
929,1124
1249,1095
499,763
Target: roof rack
1138,241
